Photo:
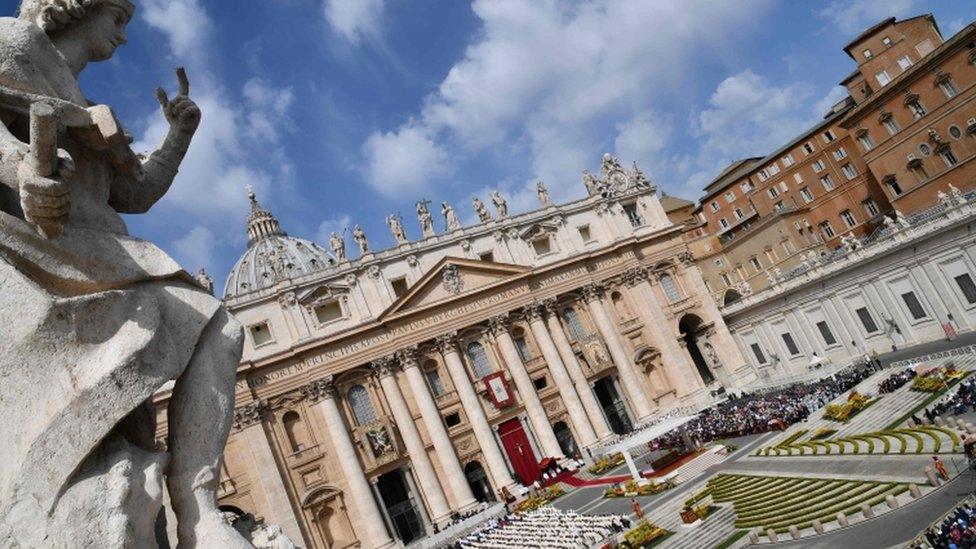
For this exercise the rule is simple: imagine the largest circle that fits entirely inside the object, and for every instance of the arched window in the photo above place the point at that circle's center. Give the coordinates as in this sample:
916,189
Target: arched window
573,324
294,430
479,359
362,406
521,345
670,288
434,378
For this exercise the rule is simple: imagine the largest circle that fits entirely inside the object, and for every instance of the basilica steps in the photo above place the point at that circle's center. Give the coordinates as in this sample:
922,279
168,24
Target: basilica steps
708,533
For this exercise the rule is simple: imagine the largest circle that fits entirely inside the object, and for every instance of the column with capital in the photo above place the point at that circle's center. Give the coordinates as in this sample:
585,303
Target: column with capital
247,422
463,497
535,314
476,415
676,361
530,398
370,526
440,512
640,403
590,404
728,351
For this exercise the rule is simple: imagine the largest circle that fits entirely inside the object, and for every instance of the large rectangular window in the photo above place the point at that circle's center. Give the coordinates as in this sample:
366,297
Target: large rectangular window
867,320
790,344
914,305
757,350
870,207
965,283
825,332
848,218
827,182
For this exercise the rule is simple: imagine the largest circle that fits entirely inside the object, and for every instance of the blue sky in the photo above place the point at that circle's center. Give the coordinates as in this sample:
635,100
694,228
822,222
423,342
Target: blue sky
341,111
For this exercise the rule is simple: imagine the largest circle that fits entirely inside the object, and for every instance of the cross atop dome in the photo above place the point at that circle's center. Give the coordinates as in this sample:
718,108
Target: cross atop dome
260,222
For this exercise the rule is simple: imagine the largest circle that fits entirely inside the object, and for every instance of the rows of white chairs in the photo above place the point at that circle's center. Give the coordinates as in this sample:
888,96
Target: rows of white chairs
545,527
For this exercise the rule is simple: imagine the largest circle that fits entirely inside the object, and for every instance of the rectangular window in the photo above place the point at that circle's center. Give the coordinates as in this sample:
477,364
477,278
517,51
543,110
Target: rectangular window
891,125
399,286
260,334
726,279
840,153
870,207
773,169
523,349
867,54
778,206
808,148
746,186
540,383
849,171
904,62
797,177
886,41
914,305
787,160
714,206
883,78
327,312
635,218
584,232
848,218
949,157
783,186
806,194
829,136
541,246
915,106
827,182
965,283
762,175
867,320
788,246
827,230
754,261
773,192
818,166
738,214
730,197
435,383
894,186
826,334
866,142
757,350
724,223
948,87
790,344
452,420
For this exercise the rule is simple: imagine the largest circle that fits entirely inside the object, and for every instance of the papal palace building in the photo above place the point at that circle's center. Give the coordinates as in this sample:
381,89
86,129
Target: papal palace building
378,395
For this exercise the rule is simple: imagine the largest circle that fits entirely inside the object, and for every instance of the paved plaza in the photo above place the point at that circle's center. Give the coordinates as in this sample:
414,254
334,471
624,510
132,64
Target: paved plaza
882,457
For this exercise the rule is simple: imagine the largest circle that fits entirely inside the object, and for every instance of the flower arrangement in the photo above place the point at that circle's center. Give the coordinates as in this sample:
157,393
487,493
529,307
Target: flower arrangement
644,534
844,412
605,463
937,379
631,488
823,433
539,498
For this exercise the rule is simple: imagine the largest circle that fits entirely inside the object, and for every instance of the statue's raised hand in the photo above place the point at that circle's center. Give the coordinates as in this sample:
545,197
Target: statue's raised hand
181,112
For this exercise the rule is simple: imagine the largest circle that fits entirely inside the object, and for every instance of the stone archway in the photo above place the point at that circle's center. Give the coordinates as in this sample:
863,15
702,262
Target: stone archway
324,505
648,361
478,481
690,327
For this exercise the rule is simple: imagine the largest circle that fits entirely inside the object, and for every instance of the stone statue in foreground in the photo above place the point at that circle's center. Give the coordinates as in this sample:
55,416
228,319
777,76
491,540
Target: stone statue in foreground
96,321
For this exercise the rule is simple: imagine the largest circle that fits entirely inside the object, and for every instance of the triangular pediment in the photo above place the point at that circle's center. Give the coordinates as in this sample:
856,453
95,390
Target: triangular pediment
453,277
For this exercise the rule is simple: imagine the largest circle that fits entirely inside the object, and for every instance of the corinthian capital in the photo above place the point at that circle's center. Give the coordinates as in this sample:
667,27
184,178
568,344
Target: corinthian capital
500,324
686,258
551,306
633,276
446,343
320,389
383,366
592,292
535,311
249,414
407,357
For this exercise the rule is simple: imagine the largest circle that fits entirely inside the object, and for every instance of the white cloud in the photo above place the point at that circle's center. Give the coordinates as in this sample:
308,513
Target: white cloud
852,17
355,20
642,137
401,163
549,77
339,224
195,249
184,22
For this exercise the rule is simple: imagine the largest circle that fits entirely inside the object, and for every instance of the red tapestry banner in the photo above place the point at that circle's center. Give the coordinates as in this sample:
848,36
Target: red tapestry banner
498,390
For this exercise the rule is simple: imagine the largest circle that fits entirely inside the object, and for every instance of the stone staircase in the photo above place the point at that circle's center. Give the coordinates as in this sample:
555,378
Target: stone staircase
691,470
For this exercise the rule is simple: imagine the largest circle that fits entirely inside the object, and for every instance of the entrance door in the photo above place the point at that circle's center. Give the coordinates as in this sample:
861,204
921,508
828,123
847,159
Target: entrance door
478,481
613,406
565,438
516,444
400,506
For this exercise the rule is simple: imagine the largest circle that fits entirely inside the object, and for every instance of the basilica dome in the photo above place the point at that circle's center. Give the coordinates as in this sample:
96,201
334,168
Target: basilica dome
272,255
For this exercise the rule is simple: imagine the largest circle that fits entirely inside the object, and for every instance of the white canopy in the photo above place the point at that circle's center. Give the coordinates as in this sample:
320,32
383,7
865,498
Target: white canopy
647,434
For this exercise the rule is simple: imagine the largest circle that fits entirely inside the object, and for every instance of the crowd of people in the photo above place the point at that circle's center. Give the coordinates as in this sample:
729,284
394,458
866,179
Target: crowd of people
962,400
457,518
750,414
546,527
957,530
896,381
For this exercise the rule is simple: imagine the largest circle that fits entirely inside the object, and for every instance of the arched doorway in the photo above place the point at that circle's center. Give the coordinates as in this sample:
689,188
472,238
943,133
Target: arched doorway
613,406
404,515
565,438
689,326
478,481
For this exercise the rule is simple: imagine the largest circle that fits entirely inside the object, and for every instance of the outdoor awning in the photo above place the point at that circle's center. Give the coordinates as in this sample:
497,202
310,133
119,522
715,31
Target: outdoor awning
643,436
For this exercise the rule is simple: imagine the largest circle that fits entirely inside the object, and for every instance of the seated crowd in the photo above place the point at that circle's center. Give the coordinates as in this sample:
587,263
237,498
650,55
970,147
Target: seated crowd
457,518
955,403
896,381
545,527
957,530
750,414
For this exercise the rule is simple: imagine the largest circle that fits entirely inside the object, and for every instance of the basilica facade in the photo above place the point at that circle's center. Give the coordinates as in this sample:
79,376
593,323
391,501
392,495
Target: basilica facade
379,395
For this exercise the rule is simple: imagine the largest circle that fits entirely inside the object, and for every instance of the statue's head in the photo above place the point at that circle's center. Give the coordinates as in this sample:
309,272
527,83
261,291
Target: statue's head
98,24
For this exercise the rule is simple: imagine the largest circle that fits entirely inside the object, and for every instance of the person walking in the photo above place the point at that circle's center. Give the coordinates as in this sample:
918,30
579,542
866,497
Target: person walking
940,467
638,512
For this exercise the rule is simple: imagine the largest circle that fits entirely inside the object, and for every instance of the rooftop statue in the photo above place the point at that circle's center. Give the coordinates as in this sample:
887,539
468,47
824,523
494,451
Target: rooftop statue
426,220
450,217
396,228
501,205
338,245
543,192
78,463
591,183
479,207
360,237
